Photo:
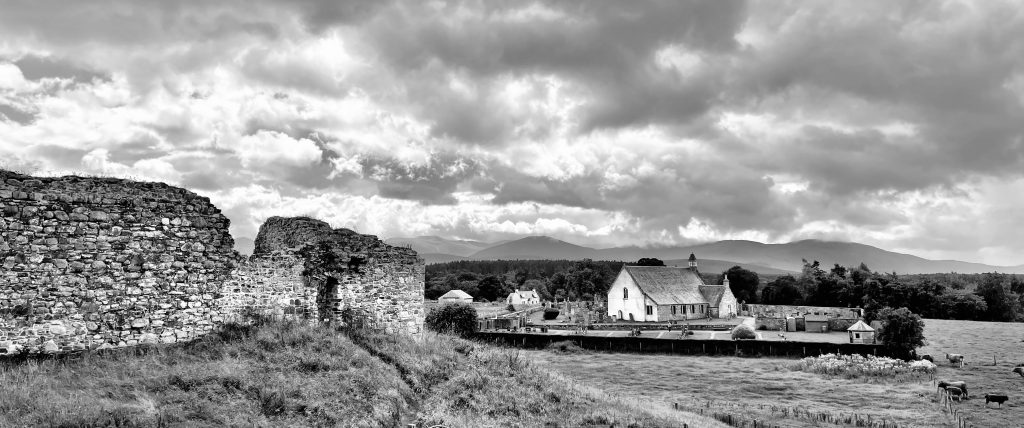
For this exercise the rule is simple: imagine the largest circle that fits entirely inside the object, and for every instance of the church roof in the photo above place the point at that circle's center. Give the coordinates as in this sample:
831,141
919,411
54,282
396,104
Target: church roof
668,285
713,293
456,294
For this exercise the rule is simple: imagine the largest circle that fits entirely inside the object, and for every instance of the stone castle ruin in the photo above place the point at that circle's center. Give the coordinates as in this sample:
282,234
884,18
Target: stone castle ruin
94,263
304,268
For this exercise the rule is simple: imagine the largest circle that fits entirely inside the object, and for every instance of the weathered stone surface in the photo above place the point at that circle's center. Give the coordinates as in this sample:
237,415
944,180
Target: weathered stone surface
83,262
96,263
303,268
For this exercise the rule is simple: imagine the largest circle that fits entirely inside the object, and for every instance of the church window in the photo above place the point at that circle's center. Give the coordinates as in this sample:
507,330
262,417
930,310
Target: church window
673,309
650,310
625,293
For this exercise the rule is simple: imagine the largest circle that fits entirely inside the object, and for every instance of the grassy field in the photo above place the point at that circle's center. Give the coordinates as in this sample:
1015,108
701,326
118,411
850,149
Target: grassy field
762,389
979,342
751,387
284,374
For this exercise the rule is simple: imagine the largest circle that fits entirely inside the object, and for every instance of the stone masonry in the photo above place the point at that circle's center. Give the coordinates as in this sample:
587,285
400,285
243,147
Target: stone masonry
94,263
90,263
320,273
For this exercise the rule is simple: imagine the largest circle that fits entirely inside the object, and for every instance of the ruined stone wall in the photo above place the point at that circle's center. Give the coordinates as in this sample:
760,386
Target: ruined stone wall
96,263
782,311
339,270
273,286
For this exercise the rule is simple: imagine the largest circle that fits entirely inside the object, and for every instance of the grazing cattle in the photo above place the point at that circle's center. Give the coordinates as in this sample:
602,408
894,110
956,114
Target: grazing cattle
956,359
1019,370
928,357
959,384
955,392
996,398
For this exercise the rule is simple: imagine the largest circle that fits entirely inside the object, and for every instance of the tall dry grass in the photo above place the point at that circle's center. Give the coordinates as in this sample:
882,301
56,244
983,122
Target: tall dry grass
272,374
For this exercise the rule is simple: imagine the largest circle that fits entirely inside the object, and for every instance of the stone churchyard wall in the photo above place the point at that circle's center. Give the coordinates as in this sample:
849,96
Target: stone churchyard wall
782,311
322,273
91,263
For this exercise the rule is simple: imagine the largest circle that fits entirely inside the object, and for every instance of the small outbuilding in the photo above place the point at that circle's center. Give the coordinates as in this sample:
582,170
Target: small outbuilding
861,333
816,323
456,296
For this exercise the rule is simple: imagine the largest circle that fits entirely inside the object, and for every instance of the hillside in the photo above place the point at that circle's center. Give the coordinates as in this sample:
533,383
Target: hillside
438,245
288,374
534,248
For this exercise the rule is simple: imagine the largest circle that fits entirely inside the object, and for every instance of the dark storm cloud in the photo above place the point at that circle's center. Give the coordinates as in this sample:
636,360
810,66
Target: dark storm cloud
431,182
950,84
607,50
35,68
16,115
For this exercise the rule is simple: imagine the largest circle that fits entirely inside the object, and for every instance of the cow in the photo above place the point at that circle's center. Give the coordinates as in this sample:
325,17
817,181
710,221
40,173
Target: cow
956,359
959,384
1019,370
995,398
928,357
955,392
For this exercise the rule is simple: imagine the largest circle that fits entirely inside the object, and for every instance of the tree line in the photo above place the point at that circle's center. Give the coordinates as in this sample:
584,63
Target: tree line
980,297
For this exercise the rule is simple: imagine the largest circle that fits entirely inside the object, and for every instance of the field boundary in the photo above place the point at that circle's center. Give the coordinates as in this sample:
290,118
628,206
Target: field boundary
649,345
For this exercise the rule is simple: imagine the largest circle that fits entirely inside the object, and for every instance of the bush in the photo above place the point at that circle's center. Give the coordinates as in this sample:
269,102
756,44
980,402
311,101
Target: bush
510,308
743,331
456,318
857,366
903,331
550,314
565,347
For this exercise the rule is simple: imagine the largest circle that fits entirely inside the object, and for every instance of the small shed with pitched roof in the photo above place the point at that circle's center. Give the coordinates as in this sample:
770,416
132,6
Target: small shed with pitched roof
456,296
861,333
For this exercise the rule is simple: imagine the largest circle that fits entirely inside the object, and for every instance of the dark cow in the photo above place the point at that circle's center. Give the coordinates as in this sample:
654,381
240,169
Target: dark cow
959,384
955,392
956,359
1019,370
996,398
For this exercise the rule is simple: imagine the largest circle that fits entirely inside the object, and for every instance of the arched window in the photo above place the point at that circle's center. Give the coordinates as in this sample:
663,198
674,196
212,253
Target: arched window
625,293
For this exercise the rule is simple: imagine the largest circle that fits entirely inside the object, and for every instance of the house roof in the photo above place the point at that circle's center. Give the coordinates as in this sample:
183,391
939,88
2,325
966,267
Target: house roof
815,318
713,293
527,294
667,285
860,326
456,294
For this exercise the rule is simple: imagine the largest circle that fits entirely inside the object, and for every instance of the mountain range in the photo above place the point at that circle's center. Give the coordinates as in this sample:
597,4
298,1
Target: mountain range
771,259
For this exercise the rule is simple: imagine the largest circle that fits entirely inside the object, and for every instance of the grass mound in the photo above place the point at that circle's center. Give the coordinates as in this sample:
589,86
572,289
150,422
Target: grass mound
288,374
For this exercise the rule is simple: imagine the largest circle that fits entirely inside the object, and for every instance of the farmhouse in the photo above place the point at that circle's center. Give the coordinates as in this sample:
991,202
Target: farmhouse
456,296
661,293
523,298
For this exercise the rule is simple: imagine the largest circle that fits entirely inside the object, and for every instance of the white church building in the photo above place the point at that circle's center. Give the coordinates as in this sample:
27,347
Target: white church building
662,293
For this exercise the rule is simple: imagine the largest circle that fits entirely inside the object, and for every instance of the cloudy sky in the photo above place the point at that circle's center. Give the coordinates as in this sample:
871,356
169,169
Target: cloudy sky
603,123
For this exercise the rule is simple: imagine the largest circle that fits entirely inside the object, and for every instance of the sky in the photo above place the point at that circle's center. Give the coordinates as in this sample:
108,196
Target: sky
898,124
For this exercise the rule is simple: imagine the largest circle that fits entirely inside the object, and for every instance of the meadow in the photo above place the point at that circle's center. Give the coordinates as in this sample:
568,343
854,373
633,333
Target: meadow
979,342
273,374
768,390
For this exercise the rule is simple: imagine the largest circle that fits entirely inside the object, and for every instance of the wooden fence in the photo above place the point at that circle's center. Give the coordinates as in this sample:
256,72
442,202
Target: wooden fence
746,348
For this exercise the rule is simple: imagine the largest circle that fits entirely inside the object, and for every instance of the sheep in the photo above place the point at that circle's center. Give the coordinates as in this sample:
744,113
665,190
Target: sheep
955,392
956,359
995,398
928,357
1019,370
959,384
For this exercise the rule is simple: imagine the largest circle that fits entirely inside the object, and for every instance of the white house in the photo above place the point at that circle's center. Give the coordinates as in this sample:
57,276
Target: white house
523,298
661,293
456,296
